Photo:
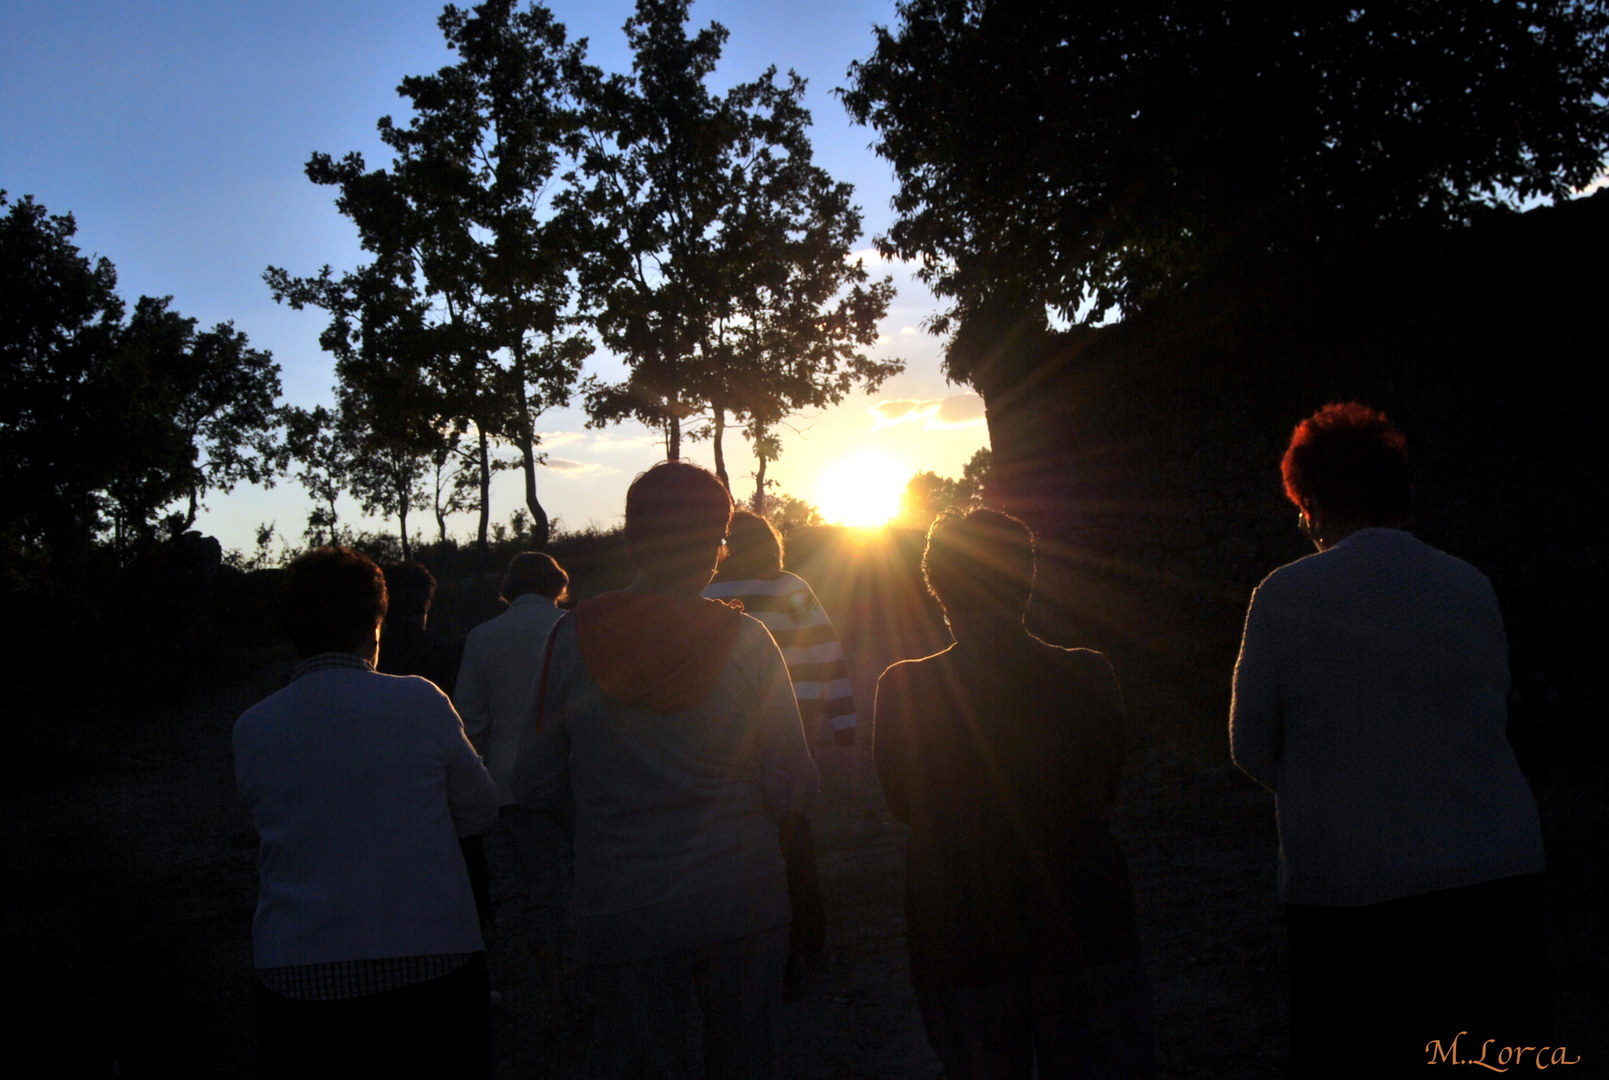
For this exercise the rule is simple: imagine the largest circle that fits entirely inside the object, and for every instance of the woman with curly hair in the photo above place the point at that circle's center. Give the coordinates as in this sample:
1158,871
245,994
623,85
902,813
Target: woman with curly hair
1370,696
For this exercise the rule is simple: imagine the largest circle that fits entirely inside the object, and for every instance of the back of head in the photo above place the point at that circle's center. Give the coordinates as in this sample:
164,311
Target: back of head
753,549
534,572
1349,461
676,516
411,587
980,562
334,598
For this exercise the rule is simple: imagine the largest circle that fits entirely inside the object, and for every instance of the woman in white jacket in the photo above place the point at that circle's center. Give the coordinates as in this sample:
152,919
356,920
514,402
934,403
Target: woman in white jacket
1370,696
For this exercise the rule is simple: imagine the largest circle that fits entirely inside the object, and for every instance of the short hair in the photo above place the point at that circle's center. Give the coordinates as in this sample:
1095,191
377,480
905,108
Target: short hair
334,598
980,560
411,587
753,548
1348,459
534,572
675,513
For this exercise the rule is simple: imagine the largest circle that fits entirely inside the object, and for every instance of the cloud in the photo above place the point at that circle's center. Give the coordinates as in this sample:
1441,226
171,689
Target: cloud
576,468
1602,181
955,411
559,438
907,329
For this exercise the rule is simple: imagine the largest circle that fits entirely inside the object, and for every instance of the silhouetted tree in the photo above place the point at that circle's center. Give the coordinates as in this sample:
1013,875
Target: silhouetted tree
105,424
721,271
1086,157
462,219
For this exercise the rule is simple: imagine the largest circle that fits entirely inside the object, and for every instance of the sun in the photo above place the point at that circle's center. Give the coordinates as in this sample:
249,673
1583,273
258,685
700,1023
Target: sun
862,489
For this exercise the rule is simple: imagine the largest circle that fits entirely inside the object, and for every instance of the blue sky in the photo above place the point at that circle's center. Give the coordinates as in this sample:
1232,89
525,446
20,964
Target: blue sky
176,134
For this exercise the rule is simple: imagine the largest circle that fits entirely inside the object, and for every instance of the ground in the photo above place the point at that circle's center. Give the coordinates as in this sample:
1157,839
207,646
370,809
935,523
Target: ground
130,883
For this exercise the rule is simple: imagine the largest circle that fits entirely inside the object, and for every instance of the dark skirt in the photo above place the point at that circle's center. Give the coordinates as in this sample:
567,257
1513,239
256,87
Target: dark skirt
1375,989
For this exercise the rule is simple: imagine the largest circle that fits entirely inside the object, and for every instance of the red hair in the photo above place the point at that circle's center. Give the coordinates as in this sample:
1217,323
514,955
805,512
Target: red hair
1348,459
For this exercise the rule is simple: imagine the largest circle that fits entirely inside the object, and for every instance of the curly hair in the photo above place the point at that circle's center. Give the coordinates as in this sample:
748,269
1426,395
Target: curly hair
1348,459
980,561
334,598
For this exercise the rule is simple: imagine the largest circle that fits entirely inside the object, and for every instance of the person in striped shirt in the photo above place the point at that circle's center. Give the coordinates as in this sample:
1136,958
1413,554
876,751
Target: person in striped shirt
752,574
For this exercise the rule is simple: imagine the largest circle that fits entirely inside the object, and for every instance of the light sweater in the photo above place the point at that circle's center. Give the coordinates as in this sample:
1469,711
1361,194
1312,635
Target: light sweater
676,843
1370,695
359,785
493,694
789,609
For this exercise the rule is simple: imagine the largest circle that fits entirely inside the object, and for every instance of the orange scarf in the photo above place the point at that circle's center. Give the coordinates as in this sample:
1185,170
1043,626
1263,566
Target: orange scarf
661,652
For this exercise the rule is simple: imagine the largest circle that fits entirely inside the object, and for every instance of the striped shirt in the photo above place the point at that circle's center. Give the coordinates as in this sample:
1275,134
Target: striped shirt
809,644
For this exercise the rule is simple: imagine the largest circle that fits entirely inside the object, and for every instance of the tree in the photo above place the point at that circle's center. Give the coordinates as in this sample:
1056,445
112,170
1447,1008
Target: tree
106,423
787,513
721,273
313,441
1088,158
463,220
927,494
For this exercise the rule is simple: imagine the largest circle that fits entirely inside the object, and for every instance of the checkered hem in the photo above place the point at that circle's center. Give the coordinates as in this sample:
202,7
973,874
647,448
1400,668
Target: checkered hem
342,979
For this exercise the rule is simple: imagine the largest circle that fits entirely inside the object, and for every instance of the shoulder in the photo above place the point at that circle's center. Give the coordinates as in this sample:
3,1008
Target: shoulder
754,640
906,672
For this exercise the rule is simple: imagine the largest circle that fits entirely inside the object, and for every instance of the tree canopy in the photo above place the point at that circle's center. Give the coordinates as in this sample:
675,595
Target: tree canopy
720,268
112,424
464,232
1087,157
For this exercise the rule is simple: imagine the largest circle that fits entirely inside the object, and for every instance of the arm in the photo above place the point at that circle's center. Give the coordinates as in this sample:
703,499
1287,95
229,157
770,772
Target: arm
543,758
469,698
837,702
471,795
888,742
1116,733
787,773
1255,738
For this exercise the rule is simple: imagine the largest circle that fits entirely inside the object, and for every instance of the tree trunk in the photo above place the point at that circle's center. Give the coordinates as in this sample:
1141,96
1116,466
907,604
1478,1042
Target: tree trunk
402,520
673,439
484,463
539,516
759,486
720,452
190,514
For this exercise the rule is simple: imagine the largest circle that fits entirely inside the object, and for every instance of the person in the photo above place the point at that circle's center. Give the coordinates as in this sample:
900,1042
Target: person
752,574
1370,697
674,719
368,953
408,648
529,851
1003,753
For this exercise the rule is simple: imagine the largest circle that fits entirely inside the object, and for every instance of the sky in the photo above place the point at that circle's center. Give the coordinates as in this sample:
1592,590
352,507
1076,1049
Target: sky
176,133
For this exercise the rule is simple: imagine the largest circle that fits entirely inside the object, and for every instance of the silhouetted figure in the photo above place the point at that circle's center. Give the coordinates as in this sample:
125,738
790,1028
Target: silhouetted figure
676,721
1370,696
408,648
1003,754
529,853
368,952
752,574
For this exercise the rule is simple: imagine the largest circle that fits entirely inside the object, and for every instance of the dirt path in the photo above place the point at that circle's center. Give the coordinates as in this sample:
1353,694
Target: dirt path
130,882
